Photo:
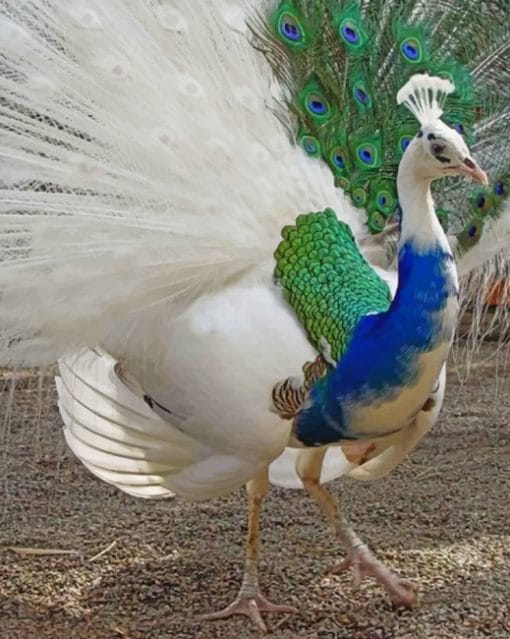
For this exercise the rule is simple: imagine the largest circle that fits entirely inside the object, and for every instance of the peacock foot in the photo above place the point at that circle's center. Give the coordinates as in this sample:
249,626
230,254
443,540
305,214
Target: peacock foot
252,607
363,564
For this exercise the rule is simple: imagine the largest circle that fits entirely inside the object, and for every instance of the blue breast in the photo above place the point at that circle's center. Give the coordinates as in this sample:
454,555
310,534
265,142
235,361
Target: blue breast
383,354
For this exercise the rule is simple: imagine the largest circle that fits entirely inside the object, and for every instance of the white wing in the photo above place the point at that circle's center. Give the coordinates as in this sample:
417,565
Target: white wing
123,442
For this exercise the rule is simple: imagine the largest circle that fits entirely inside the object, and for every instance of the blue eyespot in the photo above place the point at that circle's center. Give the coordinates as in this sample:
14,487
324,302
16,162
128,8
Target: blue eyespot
365,155
411,50
404,143
472,231
339,161
317,105
480,201
350,34
459,128
382,200
311,145
499,189
290,29
359,196
361,95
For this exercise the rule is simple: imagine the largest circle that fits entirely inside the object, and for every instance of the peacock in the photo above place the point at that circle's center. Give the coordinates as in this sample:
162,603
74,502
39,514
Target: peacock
238,226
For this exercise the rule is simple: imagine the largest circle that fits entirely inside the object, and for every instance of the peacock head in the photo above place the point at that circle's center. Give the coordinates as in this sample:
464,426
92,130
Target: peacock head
437,150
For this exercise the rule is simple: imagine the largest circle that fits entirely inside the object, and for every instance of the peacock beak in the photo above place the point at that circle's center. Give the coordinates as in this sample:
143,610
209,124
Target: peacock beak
471,169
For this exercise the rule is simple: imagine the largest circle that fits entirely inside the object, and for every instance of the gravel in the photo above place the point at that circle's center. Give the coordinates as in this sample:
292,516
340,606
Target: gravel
147,570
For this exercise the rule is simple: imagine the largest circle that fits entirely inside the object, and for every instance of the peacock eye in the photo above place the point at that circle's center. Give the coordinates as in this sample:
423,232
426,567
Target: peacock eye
404,143
311,145
349,32
480,201
500,189
339,161
359,196
459,128
411,50
290,29
317,104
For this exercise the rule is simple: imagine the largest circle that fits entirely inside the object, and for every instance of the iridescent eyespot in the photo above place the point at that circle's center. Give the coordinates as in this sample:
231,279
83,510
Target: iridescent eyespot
367,154
359,196
404,143
411,50
311,145
376,221
480,201
459,128
384,199
349,32
290,29
472,231
499,189
342,182
361,96
317,105
338,160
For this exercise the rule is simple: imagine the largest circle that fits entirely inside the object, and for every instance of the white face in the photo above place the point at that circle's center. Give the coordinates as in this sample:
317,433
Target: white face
439,151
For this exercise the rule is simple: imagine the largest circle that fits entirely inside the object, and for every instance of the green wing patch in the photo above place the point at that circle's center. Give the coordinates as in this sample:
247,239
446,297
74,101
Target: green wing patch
326,280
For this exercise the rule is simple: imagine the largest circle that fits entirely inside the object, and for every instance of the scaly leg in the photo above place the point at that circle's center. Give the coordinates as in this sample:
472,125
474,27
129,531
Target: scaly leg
359,558
250,601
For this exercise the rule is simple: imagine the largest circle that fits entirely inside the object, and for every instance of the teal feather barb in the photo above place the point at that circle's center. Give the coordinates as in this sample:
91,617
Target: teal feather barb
327,281
341,64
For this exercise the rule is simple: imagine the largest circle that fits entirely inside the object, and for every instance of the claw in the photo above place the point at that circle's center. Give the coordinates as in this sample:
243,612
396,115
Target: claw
250,607
363,564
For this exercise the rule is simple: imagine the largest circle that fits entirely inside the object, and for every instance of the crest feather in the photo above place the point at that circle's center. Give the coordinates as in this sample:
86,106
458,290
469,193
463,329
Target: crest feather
424,96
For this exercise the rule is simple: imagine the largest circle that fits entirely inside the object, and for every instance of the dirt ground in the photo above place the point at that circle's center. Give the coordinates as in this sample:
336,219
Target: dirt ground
441,520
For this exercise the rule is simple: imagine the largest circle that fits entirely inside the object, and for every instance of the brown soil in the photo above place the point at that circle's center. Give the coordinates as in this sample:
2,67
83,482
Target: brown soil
441,520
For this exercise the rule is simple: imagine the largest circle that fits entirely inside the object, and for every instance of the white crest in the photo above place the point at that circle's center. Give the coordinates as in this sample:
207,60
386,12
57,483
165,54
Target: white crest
424,96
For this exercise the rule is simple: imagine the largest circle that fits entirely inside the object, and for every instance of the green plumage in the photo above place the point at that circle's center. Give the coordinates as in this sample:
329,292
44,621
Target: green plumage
327,281
342,63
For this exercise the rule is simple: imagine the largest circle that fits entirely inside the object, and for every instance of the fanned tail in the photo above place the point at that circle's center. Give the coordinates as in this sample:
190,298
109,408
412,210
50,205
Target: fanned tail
342,64
141,164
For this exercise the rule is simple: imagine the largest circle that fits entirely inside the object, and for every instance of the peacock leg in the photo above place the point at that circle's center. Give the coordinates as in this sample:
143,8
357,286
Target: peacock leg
250,601
359,558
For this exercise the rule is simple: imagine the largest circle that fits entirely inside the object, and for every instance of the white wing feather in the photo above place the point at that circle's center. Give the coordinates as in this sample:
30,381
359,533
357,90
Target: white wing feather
123,442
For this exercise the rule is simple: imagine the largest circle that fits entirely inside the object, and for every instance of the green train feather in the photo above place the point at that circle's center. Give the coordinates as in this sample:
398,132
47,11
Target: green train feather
342,62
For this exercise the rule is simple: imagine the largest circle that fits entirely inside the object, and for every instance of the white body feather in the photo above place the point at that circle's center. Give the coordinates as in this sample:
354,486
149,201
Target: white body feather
165,180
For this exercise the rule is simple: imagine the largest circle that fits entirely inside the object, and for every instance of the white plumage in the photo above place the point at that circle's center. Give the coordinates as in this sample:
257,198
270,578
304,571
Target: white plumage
166,176
145,181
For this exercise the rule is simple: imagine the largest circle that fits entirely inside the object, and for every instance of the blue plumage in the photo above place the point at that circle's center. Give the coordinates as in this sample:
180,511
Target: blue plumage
383,355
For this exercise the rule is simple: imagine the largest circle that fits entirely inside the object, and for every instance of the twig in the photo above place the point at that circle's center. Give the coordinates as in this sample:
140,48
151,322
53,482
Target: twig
40,551
104,551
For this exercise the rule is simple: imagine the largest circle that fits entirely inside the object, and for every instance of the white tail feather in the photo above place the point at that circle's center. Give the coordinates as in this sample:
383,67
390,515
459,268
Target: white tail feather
140,163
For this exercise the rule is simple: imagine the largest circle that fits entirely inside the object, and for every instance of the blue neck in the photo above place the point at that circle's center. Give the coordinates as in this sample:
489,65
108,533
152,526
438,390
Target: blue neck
383,354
